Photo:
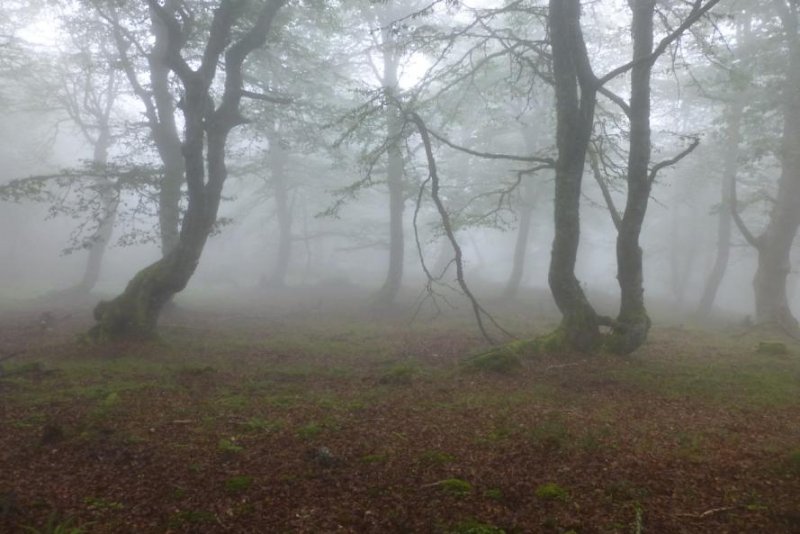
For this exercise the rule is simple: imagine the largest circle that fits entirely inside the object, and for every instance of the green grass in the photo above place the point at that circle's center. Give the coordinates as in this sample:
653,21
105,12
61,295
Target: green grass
238,484
551,491
743,381
455,487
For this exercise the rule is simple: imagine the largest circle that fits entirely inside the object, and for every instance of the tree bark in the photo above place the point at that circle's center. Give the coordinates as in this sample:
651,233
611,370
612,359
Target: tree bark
634,323
575,118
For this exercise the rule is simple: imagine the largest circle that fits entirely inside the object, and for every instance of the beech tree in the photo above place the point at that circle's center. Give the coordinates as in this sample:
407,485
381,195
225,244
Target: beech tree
207,124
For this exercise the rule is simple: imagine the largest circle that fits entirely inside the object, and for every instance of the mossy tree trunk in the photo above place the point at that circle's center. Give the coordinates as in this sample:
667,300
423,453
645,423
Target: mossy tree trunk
134,314
575,117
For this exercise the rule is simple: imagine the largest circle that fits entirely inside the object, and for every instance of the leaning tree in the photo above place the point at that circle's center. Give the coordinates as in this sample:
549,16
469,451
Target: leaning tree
208,122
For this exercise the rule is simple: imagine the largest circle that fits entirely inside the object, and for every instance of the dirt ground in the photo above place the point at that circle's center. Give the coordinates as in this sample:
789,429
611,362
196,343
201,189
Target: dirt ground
325,417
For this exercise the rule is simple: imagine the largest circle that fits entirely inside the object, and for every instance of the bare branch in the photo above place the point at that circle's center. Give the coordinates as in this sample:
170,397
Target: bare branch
489,155
672,161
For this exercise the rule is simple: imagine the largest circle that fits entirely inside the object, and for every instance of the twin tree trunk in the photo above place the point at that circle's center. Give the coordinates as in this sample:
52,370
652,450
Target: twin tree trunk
576,89
134,314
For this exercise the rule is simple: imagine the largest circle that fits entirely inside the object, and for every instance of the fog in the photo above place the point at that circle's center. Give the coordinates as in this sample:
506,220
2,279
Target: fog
447,266
327,115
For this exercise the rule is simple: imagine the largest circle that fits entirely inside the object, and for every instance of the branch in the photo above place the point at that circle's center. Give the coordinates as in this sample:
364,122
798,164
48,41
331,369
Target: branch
478,310
672,161
751,239
489,155
598,176
698,10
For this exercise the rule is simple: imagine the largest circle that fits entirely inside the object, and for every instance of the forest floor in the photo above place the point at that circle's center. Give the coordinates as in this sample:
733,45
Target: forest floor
332,419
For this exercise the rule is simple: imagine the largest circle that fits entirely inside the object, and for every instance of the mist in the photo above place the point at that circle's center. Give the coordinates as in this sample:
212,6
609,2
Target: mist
447,257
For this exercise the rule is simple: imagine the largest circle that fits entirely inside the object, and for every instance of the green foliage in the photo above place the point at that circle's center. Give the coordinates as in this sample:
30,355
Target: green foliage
238,484
455,487
551,492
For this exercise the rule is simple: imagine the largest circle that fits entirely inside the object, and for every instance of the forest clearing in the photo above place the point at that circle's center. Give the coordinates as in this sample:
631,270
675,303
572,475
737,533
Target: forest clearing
325,418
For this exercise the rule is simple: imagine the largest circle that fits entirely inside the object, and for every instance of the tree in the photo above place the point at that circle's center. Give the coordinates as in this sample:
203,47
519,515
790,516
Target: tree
774,244
207,125
88,89
738,80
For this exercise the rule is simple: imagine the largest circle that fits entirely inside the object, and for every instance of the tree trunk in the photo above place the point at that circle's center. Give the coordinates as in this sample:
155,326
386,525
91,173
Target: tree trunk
277,166
110,200
394,172
165,135
775,244
724,223
575,118
634,323
521,245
